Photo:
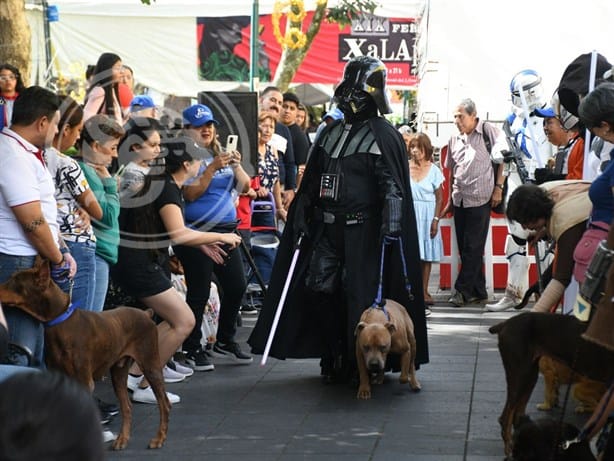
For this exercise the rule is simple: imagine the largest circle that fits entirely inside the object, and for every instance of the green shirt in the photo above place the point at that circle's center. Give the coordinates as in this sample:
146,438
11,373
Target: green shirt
107,229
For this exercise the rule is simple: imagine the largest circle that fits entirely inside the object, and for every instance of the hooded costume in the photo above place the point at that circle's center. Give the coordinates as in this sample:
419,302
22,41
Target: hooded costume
355,191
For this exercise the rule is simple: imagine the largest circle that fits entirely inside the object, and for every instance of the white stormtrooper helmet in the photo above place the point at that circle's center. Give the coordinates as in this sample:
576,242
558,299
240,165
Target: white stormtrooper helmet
530,83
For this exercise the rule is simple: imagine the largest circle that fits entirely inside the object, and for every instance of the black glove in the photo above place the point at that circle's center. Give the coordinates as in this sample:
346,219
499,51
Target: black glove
60,271
508,156
300,216
391,219
541,175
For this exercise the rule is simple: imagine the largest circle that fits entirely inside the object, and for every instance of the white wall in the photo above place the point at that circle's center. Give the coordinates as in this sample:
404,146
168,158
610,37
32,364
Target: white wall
475,47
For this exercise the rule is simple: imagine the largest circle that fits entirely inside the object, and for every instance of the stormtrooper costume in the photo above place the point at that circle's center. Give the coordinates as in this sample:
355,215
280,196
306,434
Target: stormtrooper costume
526,128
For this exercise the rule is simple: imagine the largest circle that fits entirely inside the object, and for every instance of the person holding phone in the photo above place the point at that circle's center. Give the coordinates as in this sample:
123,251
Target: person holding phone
210,206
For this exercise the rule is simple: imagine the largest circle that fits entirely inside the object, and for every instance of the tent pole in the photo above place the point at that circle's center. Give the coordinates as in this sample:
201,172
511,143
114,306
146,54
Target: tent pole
253,65
47,39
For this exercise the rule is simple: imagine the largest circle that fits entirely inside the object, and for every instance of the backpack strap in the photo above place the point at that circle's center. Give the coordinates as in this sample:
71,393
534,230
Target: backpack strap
487,140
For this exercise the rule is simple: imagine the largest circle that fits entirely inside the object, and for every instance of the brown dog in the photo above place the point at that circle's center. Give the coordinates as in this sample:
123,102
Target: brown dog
379,332
87,344
586,391
523,339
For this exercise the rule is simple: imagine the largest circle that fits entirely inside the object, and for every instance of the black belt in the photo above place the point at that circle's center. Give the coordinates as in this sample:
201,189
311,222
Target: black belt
345,219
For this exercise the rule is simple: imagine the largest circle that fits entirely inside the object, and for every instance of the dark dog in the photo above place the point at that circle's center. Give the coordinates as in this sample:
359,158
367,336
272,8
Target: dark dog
87,344
523,339
540,440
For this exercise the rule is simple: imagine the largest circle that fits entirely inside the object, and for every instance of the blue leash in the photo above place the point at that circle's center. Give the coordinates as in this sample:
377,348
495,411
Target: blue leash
379,303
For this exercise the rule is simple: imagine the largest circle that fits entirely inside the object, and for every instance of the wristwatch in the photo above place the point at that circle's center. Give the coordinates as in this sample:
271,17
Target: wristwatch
500,186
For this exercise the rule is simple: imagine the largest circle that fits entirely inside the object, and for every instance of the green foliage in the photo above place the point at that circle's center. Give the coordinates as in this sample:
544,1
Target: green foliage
146,2
348,10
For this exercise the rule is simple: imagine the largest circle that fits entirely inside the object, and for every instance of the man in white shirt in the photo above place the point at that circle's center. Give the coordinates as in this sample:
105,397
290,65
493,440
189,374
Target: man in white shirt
28,208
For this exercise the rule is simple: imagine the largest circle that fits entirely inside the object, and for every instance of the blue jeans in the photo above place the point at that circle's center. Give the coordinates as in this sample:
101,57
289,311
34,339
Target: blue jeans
6,371
85,278
102,284
24,330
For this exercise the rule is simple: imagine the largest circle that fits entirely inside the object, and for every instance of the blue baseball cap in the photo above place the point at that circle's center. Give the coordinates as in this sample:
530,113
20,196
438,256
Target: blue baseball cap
141,102
545,112
198,115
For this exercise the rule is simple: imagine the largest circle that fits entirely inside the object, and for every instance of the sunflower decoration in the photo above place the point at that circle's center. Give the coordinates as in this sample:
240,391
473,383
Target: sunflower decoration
294,38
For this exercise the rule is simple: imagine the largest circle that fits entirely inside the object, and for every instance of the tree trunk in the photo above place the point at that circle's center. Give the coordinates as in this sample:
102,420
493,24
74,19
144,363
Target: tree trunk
15,37
288,65
291,60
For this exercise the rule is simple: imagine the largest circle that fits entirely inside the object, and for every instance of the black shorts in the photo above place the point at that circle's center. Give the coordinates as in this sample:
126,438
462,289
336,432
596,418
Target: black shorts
143,278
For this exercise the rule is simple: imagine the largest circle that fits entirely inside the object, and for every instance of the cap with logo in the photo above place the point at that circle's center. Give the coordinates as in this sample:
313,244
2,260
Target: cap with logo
198,115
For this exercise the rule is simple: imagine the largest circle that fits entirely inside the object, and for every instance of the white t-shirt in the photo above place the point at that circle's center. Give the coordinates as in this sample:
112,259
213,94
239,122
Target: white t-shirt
23,179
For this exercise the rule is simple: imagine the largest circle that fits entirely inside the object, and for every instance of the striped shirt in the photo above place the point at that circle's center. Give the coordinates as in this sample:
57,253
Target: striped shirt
470,163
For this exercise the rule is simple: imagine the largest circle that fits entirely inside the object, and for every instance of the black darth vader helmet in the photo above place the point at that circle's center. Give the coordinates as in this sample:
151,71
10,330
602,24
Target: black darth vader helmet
363,85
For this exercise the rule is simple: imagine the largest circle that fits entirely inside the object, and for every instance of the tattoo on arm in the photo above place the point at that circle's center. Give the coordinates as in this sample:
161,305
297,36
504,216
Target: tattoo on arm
33,225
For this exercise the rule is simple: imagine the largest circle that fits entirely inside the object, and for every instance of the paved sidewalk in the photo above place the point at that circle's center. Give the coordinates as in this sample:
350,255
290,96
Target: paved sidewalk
283,412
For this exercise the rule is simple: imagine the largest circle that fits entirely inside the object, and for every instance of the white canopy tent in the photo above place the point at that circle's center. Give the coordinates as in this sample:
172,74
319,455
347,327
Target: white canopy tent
157,41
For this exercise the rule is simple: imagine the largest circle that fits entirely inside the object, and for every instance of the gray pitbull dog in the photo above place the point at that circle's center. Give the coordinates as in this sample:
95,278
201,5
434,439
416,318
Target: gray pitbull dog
379,332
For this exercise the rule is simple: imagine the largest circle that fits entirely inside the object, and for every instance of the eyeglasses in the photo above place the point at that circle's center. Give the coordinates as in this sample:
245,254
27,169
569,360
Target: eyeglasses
7,78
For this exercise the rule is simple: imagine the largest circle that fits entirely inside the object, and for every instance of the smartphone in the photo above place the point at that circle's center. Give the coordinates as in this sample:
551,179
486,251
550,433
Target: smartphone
231,142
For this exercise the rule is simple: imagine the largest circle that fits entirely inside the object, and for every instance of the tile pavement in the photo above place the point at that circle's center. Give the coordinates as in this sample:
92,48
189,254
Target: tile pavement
283,412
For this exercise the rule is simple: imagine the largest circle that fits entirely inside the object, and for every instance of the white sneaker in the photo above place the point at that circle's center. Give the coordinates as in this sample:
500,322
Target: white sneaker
505,303
134,381
172,376
108,436
179,368
147,396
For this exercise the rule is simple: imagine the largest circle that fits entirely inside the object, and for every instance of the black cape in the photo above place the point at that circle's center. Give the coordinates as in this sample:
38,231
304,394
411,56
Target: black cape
298,334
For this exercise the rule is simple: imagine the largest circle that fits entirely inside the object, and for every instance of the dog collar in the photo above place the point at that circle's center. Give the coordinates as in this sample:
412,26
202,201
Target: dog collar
63,316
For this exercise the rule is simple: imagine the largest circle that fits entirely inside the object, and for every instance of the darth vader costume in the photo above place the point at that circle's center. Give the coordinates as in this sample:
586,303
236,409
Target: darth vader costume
355,191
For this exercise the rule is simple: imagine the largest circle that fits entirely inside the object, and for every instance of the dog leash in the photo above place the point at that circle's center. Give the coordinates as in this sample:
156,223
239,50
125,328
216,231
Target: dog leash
378,302
558,445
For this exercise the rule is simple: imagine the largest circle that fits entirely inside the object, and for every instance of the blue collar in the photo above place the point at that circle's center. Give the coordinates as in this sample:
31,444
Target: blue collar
63,316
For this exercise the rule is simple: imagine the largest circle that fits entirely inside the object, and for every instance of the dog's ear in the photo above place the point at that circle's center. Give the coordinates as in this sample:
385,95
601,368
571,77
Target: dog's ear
359,328
43,276
390,327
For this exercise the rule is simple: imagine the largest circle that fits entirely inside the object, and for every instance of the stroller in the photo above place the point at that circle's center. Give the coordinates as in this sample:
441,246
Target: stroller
264,241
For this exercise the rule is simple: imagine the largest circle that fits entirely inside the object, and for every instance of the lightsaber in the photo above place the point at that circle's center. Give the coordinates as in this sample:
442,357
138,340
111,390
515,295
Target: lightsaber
282,301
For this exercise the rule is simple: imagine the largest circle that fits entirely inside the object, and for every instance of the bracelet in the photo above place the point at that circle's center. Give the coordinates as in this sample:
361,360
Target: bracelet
500,186
436,218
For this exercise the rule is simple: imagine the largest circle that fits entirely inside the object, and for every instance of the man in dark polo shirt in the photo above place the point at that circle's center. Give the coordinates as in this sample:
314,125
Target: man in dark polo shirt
300,143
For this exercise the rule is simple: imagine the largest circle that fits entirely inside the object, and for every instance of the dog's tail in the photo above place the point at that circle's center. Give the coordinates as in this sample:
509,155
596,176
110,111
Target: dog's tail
495,329
525,299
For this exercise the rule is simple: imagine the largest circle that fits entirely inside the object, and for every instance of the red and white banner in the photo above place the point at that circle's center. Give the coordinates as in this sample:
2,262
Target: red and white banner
223,49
